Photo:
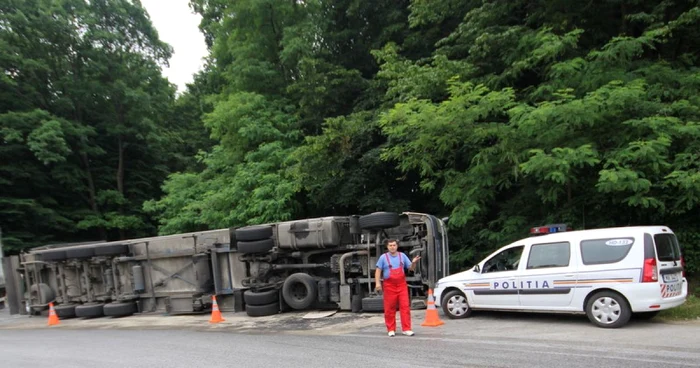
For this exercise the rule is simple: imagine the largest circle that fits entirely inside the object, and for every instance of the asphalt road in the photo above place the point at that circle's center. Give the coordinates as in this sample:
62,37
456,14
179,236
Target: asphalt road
346,340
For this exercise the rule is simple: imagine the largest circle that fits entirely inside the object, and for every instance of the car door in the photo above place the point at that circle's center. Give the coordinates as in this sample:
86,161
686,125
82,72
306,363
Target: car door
548,277
495,285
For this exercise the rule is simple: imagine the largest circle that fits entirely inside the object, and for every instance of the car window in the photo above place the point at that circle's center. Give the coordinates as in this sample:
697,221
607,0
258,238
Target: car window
609,250
667,248
549,255
507,260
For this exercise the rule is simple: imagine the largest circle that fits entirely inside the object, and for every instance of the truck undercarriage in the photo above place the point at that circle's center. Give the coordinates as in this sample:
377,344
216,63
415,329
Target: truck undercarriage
321,263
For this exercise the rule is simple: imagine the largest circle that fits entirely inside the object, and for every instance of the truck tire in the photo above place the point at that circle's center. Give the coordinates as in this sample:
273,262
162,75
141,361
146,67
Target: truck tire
373,304
356,303
256,246
111,250
262,310
90,310
299,291
80,253
65,311
379,220
257,232
261,298
119,309
52,255
42,293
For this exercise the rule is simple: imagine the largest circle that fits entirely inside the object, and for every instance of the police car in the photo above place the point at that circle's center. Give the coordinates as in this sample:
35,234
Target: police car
608,274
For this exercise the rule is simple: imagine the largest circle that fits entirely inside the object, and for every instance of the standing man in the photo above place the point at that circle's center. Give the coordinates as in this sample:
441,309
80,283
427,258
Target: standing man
392,266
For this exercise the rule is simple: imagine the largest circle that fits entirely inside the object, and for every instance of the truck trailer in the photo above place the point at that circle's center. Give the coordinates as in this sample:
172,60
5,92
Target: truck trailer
265,269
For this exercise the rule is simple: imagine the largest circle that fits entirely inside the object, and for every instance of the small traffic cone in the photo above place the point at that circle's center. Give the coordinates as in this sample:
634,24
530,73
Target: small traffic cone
215,313
53,317
431,314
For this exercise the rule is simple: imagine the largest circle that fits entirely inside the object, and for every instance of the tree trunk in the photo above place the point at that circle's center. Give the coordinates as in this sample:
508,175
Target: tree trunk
120,178
91,191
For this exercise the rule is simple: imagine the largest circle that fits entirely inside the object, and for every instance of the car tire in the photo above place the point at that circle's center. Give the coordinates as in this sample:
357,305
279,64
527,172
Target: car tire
608,309
455,305
299,291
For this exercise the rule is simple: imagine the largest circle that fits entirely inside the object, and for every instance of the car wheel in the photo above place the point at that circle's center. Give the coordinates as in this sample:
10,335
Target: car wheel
455,305
608,309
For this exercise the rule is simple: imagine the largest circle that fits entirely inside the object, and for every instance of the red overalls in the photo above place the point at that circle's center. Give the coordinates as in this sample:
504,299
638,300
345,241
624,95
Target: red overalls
396,293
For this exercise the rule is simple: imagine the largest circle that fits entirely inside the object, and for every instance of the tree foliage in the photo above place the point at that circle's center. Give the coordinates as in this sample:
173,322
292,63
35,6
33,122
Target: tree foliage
501,114
82,120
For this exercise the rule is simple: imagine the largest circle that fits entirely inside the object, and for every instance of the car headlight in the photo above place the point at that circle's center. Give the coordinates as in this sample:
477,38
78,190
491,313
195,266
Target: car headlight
437,285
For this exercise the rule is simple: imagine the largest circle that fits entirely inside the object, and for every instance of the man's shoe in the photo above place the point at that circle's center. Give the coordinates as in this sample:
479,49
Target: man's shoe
408,333
392,333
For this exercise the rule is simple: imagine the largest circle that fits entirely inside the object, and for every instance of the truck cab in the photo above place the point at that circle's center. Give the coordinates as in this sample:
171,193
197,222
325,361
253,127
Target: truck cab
330,261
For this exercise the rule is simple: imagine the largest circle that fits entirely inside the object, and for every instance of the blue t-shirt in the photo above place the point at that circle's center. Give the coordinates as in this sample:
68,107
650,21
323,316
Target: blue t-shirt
395,263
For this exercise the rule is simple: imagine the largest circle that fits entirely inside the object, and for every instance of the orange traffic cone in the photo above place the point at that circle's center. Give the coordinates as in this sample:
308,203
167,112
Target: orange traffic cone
215,313
53,317
431,314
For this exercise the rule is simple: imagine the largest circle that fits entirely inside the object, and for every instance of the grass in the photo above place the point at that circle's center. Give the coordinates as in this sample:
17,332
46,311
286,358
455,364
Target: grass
689,310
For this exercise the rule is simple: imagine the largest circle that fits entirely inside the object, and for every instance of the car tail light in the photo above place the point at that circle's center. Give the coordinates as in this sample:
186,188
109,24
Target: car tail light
683,265
650,272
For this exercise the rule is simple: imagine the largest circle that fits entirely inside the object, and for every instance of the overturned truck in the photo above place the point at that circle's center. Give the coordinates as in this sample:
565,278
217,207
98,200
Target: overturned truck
264,269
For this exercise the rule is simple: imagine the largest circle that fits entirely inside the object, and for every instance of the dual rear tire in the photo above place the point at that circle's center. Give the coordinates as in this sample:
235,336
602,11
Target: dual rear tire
261,303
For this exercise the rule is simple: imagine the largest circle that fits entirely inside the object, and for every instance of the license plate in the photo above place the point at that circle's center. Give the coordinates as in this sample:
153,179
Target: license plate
671,277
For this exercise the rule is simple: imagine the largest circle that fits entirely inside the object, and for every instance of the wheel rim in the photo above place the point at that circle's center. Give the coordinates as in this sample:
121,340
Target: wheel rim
457,305
606,310
299,292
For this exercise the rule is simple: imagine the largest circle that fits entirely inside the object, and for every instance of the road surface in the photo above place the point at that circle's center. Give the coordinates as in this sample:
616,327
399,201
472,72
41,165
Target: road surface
345,340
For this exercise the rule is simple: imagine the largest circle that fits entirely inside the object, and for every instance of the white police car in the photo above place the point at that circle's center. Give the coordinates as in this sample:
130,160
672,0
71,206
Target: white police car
609,274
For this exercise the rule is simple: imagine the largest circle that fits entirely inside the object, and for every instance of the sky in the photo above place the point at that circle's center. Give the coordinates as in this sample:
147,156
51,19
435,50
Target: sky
177,25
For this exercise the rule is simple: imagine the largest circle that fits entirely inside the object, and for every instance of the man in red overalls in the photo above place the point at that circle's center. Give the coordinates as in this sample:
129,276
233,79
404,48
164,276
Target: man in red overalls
392,266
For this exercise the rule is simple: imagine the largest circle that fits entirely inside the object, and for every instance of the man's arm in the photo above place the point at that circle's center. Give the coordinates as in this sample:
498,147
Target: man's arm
377,277
414,262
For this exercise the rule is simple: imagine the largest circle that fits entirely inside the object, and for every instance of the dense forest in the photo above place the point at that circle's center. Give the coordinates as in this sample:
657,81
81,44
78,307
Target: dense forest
502,115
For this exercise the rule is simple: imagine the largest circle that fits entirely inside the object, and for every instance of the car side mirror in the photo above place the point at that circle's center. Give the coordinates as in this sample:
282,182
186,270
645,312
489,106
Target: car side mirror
476,269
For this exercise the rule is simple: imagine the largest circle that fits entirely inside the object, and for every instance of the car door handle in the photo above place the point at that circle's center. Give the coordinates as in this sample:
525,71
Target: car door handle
569,275
512,278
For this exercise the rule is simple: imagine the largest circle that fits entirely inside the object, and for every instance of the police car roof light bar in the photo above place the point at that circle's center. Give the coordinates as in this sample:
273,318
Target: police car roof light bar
549,229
